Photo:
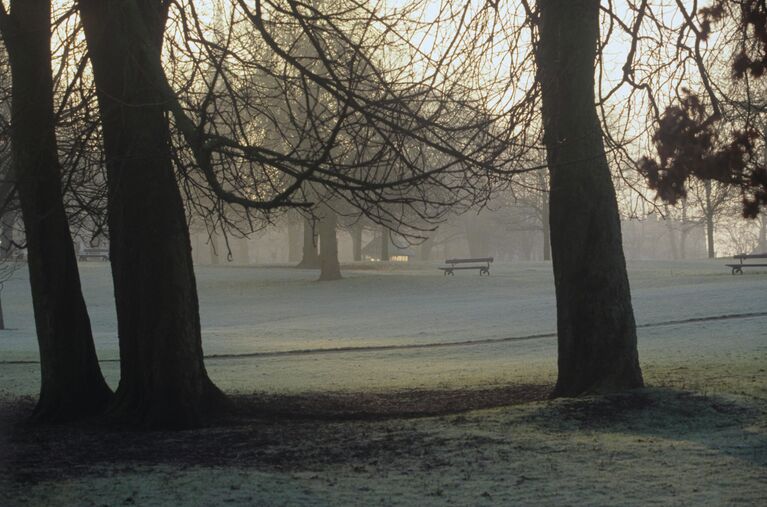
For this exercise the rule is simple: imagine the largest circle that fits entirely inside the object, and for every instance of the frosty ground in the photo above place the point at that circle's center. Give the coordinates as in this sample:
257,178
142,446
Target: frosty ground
398,385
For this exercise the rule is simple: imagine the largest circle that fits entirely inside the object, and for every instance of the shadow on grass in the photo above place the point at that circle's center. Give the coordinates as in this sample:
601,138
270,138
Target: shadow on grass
266,431
316,430
711,421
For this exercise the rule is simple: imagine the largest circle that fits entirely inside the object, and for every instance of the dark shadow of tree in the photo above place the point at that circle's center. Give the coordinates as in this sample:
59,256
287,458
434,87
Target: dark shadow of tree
268,432
709,420
313,430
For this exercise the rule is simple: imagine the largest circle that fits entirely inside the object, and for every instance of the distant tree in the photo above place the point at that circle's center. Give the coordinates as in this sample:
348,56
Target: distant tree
356,230
310,257
330,268
232,159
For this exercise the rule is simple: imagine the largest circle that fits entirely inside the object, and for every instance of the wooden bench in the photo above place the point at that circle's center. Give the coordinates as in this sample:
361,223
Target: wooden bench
93,253
482,264
738,268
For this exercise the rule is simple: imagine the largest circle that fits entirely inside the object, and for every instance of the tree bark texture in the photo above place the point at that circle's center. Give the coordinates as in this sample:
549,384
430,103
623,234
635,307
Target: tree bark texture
72,384
310,259
595,321
330,268
163,381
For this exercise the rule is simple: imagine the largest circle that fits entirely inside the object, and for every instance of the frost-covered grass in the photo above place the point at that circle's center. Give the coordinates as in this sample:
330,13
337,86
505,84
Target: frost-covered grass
696,435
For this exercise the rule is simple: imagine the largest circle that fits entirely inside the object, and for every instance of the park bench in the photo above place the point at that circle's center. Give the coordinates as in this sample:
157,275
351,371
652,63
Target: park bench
738,268
482,264
93,253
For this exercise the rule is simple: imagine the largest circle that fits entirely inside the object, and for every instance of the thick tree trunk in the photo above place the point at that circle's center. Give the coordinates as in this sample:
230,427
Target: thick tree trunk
310,259
163,381
384,244
595,320
357,242
330,268
72,384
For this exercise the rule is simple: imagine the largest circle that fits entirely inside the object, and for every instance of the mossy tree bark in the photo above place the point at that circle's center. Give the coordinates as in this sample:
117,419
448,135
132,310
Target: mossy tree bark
72,384
595,320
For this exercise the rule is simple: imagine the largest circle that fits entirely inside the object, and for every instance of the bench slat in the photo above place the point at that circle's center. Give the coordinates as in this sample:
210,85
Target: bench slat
463,261
750,256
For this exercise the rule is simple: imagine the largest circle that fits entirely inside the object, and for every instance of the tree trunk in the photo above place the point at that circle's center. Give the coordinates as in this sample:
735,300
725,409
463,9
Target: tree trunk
72,383
684,231
163,381
709,220
595,320
330,268
310,258
384,244
2,317
671,234
545,217
426,248
357,242
763,229
294,238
